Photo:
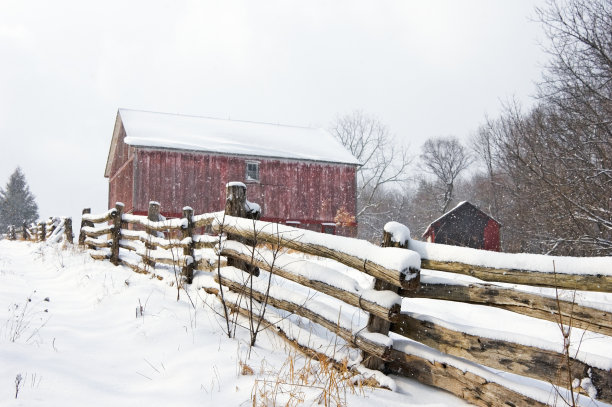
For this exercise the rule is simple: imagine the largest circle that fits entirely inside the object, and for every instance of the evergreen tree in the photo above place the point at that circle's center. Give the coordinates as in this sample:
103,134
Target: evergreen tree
17,203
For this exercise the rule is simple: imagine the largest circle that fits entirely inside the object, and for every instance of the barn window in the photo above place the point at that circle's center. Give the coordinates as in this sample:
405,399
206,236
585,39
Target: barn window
252,171
329,228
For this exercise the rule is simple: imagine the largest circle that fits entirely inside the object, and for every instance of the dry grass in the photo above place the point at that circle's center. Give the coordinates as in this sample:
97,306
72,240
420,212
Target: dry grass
246,370
319,379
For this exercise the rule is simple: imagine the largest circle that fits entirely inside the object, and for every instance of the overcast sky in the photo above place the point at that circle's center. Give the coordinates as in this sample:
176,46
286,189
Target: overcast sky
424,68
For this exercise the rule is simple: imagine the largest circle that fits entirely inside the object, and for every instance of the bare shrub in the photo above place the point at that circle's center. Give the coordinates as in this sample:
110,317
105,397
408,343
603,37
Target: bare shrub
302,377
26,320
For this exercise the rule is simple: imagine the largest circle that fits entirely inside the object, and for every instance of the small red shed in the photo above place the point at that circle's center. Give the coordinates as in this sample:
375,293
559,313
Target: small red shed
465,225
299,176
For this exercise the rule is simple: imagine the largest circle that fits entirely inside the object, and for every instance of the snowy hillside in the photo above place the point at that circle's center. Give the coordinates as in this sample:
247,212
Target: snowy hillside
72,330
75,331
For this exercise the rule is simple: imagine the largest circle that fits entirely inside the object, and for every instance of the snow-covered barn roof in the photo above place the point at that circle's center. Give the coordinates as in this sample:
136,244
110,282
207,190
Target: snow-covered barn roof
181,132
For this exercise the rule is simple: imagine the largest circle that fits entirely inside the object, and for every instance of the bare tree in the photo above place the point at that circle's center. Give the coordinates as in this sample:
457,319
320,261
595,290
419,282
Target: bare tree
422,206
558,175
483,146
384,163
549,170
578,78
445,159
556,160
577,91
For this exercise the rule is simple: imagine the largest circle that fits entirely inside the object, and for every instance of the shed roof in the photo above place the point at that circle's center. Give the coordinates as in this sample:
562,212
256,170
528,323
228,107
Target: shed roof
461,205
181,132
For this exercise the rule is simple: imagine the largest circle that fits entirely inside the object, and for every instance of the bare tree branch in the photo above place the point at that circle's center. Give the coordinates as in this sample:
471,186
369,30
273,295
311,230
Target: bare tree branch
444,158
384,164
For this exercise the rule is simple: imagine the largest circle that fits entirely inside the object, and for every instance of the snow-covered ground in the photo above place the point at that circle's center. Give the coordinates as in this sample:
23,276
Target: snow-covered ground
84,332
72,330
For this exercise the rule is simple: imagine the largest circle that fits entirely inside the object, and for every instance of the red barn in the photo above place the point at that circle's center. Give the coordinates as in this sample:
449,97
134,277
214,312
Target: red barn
465,225
298,175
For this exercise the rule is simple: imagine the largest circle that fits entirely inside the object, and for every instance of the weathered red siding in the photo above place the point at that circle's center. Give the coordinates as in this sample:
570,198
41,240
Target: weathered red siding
302,191
121,185
123,152
430,234
491,236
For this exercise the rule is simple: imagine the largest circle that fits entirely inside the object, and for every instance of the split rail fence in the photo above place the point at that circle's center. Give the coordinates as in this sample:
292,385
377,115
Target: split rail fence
53,229
433,353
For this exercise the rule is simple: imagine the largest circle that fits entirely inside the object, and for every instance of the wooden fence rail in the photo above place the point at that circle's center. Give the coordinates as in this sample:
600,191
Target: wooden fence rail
108,232
437,257
472,387
533,305
54,228
368,258
250,245
350,295
503,355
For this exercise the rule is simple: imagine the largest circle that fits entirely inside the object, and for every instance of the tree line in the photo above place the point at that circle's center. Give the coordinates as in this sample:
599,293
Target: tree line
545,173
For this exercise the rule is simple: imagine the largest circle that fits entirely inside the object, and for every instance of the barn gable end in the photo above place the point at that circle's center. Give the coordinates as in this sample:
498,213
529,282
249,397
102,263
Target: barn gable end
120,167
119,152
465,225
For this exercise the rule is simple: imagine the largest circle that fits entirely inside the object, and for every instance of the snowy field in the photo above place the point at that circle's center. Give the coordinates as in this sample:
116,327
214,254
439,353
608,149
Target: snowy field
84,332
70,327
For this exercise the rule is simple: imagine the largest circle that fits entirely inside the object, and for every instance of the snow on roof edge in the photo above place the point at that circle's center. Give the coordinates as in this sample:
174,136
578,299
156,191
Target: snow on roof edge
454,209
235,137
267,157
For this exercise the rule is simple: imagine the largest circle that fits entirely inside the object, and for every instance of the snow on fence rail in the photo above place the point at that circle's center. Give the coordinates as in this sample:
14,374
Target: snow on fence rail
148,250
515,275
53,229
446,355
589,274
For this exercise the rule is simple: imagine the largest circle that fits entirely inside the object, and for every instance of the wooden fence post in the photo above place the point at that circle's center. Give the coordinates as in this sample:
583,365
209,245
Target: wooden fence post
68,230
235,199
24,231
52,226
82,236
235,205
377,324
116,233
187,232
153,216
43,230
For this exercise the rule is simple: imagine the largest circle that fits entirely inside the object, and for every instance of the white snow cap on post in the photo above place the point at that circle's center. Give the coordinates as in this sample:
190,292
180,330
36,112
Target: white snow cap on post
252,207
235,184
399,233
